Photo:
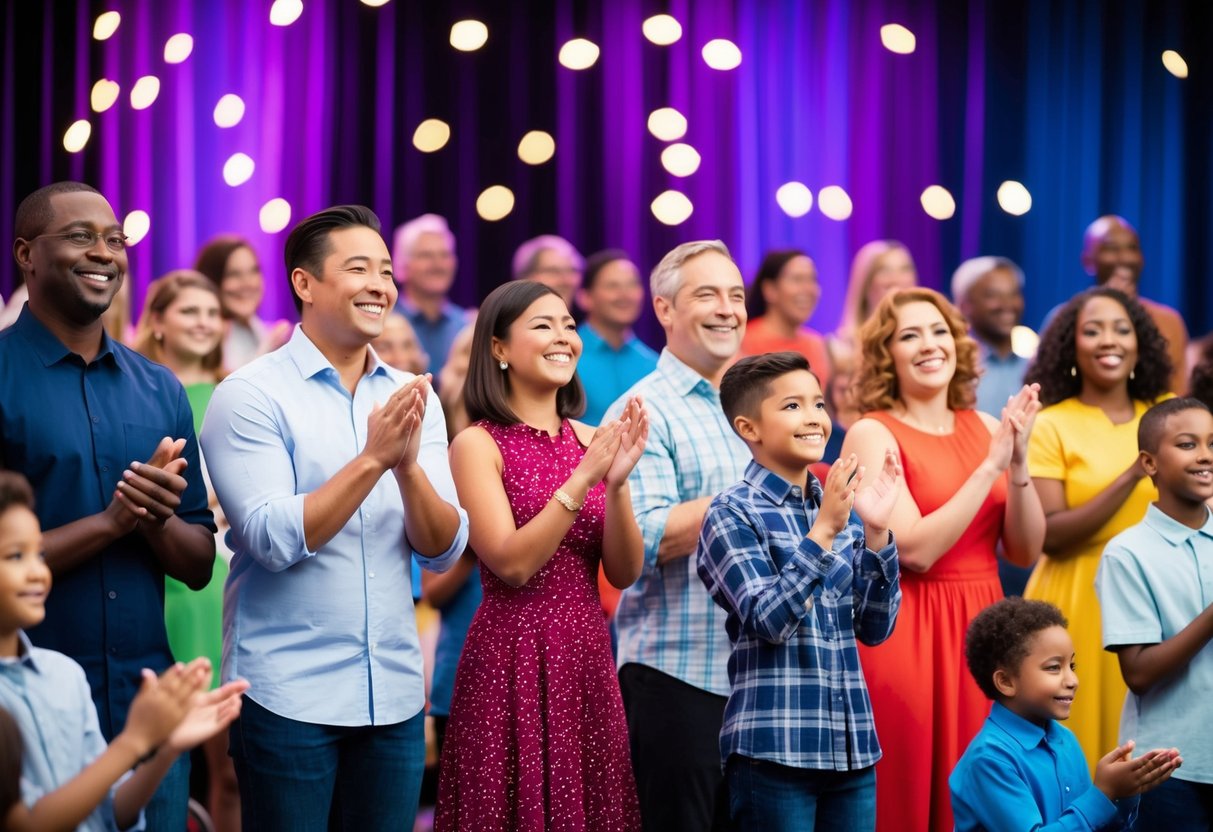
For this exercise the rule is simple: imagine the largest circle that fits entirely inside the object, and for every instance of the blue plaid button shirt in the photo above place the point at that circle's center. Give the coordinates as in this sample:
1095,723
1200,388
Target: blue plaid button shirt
794,612
666,620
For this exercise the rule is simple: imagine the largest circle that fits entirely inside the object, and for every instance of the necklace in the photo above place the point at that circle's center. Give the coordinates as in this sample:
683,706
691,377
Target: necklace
914,422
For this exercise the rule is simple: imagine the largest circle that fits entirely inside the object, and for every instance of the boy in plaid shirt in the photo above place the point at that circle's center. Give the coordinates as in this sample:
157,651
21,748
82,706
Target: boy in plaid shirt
802,569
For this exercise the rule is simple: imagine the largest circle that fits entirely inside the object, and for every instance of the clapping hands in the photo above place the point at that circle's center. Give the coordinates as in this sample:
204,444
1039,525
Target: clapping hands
1009,444
616,447
393,433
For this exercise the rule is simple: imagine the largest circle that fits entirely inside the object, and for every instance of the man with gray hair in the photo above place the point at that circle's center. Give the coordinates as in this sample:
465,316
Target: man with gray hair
552,261
423,253
989,292
673,648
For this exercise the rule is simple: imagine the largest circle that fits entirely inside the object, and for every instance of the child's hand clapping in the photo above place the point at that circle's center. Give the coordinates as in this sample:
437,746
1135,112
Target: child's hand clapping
1118,775
162,703
838,496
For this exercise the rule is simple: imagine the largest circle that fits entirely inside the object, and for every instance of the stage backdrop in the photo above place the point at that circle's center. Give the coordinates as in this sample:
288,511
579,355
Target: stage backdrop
1071,99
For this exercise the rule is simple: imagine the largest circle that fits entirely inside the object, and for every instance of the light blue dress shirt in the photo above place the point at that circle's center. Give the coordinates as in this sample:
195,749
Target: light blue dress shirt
328,636
606,372
1000,379
667,620
48,697
1153,580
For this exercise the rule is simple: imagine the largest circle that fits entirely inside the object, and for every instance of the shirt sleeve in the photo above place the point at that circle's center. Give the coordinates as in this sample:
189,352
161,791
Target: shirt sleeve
1130,615
654,485
1046,457
434,459
93,746
735,565
877,589
250,466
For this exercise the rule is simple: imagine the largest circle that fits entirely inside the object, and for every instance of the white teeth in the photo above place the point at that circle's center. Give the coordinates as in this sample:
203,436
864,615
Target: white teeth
100,278
931,363
1110,361
373,308
559,358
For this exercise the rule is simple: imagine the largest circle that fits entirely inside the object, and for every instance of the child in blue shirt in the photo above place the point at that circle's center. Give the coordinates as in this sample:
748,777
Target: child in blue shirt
1155,585
1023,770
803,569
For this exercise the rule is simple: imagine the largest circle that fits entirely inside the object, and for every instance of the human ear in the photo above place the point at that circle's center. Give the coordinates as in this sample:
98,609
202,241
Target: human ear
301,280
1004,682
23,255
661,308
746,428
1148,463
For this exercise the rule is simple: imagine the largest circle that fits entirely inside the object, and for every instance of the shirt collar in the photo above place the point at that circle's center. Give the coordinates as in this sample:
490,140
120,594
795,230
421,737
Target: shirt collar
682,378
446,312
592,340
1173,531
1028,734
25,653
49,349
311,361
775,487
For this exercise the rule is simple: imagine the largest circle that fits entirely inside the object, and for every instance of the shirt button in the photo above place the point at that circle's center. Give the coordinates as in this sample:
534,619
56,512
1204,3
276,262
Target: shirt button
374,645
113,595
105,468
96,419
371,575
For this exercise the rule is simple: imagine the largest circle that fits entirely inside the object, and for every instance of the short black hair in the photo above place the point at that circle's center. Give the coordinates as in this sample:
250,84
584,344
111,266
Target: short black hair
748,382
34,213
597,262
15,491
308,243
486,391
1154,421
1000,637
772,265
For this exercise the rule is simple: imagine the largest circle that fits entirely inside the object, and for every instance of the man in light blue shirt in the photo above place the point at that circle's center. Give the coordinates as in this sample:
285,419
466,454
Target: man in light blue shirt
423,252
673,647
332,469
612,357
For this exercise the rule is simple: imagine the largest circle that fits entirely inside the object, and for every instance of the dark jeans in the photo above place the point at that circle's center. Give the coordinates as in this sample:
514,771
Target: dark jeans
774,798
1176,806
169,806
294,774
674,730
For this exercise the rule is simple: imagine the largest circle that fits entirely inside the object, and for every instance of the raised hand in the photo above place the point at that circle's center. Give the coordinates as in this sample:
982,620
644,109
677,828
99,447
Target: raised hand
210,713
151,491
874,504
1118,775
838,496
631,444
162,703
413,420
600,454
1021,410
387,428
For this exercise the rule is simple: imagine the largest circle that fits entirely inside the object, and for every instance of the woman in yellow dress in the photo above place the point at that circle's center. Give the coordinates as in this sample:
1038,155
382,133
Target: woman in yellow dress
1101,364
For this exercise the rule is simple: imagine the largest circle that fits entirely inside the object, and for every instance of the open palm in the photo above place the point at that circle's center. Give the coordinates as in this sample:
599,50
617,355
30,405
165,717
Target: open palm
632,442
874,503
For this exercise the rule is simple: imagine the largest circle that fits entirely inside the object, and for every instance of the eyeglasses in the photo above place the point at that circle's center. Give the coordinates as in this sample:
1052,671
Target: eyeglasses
80,238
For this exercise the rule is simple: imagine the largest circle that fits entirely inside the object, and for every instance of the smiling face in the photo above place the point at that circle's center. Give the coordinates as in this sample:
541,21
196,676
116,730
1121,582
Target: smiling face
1043,686
65,280
790,429
1182,467
430,267
1105,344
615,299
994,305
923,349
893,270
706,318
348,302
541,347
1112,255
191,326
794,292
242,285
25,579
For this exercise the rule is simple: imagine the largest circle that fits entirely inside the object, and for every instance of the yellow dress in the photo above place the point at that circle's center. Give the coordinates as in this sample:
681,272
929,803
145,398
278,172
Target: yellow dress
1077,444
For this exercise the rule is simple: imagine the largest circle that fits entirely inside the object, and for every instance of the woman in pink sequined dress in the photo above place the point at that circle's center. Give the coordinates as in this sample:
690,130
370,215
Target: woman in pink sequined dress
537,738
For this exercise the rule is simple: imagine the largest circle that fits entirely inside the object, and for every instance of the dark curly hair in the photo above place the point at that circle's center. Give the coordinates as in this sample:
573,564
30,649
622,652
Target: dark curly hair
1000,637
876,382
1200,383
15,491
1056,356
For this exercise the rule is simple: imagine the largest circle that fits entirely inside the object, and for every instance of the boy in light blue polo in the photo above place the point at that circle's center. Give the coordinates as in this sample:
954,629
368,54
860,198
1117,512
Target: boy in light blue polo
1155,586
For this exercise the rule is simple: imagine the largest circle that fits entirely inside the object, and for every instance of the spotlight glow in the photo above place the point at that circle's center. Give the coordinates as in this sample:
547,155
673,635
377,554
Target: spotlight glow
794,198
275,215
135,226
721,54
1024,341
536,147
238,169
667,124
680,159
579,53
76,136
938,203
374,4
897,38
285,12
1175,63
495,203
229,110
834,203
105,25
1014,198
144,93
672,208
104,94
469,35
178,48
662,30
431,134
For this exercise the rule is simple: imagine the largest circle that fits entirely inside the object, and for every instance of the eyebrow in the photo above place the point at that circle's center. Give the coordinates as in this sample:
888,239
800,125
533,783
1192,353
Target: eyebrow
362,258
549,318
88,225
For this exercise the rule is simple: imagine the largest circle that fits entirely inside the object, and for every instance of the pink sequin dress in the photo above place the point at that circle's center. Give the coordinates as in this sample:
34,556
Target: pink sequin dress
537,738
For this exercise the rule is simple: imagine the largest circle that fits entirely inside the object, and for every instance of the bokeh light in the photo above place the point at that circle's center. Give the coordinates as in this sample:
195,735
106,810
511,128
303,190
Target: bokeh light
238,169
680,159
938,203
579,53
794,198
285,12
145,91
135,226
469,35
229,110
374,4
275,215
431,134
672,208
536,147
1014,198
667,124
662,30
76,136
178,48
897,38
105,93
1175,63
495,203
834,202
105,25
721,54
1024,341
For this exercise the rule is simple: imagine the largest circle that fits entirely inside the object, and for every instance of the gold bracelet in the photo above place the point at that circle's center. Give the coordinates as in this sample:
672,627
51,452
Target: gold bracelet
566,501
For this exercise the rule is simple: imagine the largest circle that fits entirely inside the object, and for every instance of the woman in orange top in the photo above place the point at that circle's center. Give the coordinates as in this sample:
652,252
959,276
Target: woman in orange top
780,302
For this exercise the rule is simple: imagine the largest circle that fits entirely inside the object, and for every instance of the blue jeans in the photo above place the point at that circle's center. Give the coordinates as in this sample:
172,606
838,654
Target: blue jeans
1176,806
169,806
295,775
773,798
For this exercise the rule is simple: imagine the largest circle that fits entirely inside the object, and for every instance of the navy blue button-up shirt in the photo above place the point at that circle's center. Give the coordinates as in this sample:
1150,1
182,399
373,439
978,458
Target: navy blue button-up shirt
72,428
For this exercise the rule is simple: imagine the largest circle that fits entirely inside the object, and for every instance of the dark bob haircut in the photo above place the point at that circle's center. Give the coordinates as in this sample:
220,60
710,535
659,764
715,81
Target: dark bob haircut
308,243
1000,637
1057,354
486,392
213,257
748,382
772,265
